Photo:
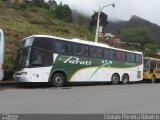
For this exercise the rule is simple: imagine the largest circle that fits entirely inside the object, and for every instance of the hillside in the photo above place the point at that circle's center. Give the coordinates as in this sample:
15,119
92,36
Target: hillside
134,22
19,21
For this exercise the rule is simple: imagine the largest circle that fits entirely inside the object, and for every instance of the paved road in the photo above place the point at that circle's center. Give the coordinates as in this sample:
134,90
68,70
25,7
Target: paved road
132,98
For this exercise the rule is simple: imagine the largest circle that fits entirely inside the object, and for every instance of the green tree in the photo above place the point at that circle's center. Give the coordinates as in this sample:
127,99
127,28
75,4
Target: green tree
150,48
140,35
40,3
103,20
63,12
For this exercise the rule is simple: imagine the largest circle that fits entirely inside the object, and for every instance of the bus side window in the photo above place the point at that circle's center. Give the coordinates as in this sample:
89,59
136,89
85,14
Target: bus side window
37,58
112,54
120,55
40,58
99,52
78,49
86,51
139,58
146,65
66,47
48,59
152,66
93,51
158,65
106,53
57,47
131,57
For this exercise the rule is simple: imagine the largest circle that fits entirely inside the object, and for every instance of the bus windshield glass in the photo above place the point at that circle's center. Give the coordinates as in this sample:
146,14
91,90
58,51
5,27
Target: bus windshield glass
0,37
27,42
21,60
1,54
146,65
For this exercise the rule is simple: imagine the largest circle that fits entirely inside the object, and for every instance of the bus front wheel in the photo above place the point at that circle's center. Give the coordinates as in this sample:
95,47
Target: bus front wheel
125,79
58,80
153,79
115,79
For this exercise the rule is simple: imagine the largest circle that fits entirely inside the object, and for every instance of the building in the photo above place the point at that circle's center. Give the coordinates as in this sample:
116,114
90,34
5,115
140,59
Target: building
17,1
109,36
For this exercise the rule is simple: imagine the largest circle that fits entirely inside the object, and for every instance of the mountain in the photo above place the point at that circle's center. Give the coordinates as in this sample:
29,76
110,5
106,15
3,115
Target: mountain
116,27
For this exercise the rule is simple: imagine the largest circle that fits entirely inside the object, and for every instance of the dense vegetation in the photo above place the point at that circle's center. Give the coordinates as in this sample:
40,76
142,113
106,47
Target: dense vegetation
135,22
139,35
21,20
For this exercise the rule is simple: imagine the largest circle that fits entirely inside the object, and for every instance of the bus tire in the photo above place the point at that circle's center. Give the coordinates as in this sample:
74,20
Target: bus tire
125,79
58,80
153,79
115,79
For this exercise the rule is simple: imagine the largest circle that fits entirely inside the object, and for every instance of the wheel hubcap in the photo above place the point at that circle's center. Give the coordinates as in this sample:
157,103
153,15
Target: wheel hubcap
58,80
115,79
153,79
125,80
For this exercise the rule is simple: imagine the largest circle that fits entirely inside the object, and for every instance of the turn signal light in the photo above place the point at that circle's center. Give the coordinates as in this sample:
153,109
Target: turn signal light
2,66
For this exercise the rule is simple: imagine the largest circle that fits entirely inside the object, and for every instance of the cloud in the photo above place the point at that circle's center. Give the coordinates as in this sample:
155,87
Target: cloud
124,9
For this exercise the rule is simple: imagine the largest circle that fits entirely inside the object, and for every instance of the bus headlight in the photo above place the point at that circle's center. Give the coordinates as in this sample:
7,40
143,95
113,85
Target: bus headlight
20,73
23,73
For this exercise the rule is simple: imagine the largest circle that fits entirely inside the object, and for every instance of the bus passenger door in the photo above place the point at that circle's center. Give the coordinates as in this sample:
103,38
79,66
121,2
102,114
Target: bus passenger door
158,70
36,65
152,67
41,62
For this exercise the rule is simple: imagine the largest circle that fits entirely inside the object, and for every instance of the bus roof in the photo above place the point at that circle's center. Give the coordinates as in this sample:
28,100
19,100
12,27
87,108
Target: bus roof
151,58
83,42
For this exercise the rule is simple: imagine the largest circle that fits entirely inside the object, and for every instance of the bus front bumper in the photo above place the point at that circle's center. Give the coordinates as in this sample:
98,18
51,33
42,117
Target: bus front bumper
21,76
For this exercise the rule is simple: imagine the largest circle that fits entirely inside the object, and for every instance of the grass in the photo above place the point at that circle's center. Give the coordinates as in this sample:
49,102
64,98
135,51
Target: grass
20,21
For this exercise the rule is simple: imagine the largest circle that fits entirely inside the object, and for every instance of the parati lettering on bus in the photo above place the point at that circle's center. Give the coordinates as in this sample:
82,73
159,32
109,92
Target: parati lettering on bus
74,60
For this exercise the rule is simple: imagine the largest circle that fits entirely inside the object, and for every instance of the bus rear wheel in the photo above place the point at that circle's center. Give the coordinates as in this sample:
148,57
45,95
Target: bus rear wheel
58,80
125,79
153,79
115,79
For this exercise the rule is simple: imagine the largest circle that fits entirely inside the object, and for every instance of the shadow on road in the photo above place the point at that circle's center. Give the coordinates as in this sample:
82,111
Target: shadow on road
9,85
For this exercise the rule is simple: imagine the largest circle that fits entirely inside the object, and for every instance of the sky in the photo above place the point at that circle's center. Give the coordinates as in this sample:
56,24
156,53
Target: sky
123,10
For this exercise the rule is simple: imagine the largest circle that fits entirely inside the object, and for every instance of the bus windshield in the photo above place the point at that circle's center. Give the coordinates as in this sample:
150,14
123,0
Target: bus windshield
22,55
146,65
1,54
27,42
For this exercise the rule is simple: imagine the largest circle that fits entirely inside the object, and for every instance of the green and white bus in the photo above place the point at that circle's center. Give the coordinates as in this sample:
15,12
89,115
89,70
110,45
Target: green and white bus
1,54
57,60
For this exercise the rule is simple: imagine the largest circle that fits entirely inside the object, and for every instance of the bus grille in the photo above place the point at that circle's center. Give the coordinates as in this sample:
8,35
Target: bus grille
139,74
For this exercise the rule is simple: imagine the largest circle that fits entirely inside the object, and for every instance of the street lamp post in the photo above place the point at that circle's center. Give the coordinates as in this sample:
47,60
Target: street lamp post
98,20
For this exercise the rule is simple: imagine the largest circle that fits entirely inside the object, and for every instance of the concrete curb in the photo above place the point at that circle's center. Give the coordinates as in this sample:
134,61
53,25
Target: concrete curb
8,82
